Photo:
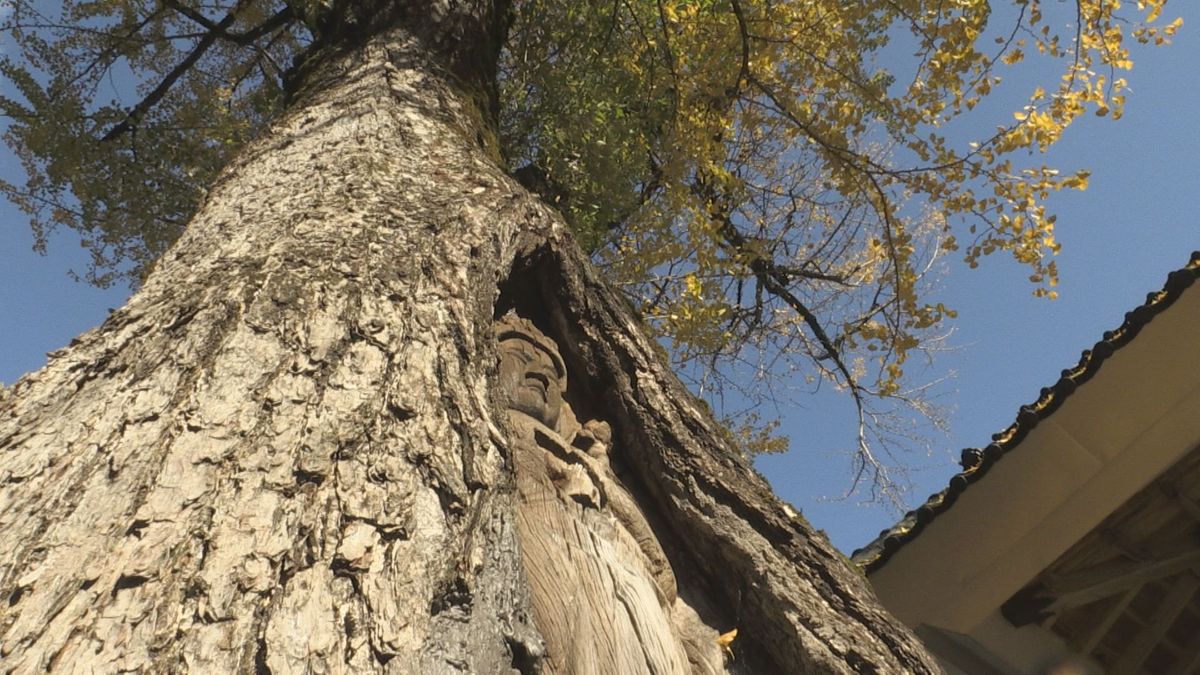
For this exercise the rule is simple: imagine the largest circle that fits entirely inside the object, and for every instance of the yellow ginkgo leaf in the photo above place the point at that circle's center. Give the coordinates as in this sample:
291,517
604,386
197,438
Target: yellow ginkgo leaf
726,639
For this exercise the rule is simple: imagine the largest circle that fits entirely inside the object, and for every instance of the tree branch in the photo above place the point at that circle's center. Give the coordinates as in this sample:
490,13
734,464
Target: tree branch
280,19
774,280
130,122
215,31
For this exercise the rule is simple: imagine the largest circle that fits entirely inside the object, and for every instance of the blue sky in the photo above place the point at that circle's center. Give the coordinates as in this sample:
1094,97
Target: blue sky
1135,223
1120,238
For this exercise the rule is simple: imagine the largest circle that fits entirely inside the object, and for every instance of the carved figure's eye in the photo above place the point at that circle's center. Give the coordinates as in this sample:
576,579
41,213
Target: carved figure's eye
539,376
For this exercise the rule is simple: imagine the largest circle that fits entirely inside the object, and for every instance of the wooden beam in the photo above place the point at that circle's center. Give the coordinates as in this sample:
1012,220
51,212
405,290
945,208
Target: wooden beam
1101,581
1117,540
1103,627
1186,504
1048,622
1178,598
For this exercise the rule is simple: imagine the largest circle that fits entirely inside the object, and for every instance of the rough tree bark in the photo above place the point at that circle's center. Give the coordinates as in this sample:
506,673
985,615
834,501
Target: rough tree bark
285,453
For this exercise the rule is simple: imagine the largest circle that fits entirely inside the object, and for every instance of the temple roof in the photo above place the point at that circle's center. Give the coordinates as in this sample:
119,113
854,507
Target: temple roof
977,462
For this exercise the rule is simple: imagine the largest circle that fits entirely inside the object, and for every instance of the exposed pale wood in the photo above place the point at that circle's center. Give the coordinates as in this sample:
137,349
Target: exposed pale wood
605,597
1177,599
595,598
1101,629
1084,586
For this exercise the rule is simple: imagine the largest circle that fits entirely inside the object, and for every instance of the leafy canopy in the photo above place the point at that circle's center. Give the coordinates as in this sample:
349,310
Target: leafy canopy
767,179
773,179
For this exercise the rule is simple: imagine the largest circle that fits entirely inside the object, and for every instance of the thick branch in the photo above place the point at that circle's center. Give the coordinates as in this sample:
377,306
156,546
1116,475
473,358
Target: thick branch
280,19
215,31
131,120
775,280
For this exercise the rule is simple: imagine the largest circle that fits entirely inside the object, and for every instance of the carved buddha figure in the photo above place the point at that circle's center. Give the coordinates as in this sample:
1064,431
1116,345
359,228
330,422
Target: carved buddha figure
531,372
604,594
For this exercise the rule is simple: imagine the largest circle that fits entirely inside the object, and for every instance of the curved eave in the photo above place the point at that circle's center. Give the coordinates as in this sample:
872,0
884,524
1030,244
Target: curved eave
976,463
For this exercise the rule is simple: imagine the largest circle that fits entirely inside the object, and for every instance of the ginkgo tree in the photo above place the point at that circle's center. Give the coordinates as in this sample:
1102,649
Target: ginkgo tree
763,178
291,450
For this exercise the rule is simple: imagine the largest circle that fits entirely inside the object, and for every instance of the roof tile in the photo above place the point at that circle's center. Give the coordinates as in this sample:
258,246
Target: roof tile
976,463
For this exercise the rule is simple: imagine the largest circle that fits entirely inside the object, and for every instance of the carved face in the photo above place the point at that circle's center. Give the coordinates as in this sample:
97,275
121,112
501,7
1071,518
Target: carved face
529,376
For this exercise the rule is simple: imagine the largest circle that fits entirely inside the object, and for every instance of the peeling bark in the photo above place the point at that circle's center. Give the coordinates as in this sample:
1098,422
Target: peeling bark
285,453
281,453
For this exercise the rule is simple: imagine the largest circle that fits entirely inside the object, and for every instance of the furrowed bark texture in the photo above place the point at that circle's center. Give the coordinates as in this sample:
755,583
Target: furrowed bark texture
281,455
285,454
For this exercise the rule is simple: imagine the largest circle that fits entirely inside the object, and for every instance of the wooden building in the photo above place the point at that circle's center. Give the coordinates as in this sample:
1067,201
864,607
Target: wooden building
1071,544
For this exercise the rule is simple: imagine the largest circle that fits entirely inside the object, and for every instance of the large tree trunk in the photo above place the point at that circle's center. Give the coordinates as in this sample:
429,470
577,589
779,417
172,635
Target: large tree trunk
285,454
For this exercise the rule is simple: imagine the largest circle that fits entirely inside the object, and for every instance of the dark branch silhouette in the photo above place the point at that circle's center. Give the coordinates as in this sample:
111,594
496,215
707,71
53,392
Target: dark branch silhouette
217,31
